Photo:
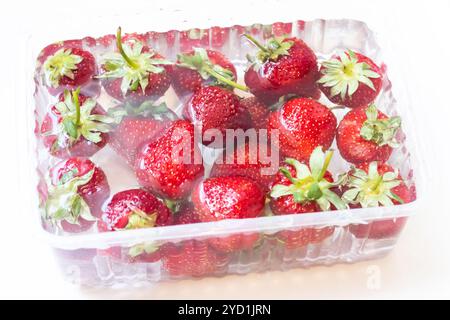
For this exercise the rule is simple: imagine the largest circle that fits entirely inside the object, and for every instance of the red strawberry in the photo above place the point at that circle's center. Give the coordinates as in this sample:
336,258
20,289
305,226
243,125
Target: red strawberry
107,40
281,29
52,48
293,239
193,258
133,209
219,36
200,67
170,165
76,191
300,189
144,253
66,66
235,242
372,185
231,197
186,214
135,73
259,112
351,79
76,126
216,108
366,134
284,66
247,160
192,38
89,41
303,124
138,125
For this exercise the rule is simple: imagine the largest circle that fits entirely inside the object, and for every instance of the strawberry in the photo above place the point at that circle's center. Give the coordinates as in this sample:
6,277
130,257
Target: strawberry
366,134
284,66
193,38
170,165
300,189
280,29
135,73
76,190
258,111
134,209
193,258
219,36
246,160
201,67
75,126
136,126
107,40
372,185
235,242
216,108
66,65
350,79
186,214
303,124
231,197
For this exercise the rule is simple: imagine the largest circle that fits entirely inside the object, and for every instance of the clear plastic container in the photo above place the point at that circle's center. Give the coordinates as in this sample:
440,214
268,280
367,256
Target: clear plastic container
103,258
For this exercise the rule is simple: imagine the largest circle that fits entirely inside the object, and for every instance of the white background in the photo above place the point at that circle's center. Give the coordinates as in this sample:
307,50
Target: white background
419,267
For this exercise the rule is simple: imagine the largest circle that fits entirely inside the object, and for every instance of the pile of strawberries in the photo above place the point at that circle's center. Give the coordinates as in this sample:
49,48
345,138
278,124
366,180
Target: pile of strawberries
283,85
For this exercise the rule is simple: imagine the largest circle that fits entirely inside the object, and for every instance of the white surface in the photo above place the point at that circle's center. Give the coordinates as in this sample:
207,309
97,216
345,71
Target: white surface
419,267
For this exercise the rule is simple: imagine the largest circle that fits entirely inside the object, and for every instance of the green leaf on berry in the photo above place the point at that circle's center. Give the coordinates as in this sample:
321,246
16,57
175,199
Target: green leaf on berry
343,75
132,65
200,62
61,64
64,203
146,247
138,219
309,184
274,48
380,131
371,189
78,121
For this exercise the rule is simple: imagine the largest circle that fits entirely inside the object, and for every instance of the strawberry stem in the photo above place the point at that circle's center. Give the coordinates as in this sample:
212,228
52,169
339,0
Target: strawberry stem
225,80
377,183
326,163
130,62
76,101
255,42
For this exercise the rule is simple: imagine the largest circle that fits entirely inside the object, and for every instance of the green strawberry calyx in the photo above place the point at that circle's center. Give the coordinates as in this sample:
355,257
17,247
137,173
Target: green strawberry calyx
64,203
61,64
274,48
380,131
138,219
345,74
147,109
79,121
370,189
146,247
309,183
200,62
131,64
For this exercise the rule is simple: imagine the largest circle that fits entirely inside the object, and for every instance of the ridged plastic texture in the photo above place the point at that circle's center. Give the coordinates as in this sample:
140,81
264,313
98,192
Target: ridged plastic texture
97,259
